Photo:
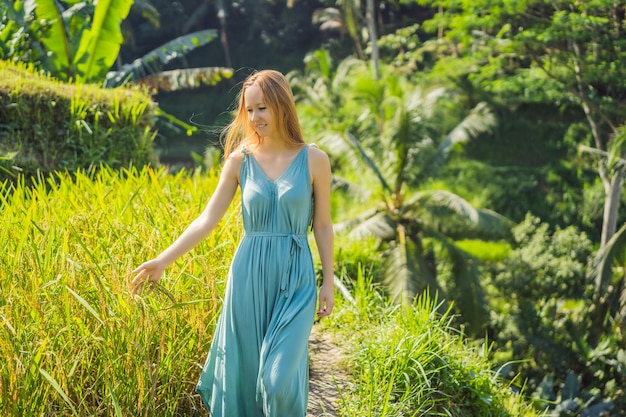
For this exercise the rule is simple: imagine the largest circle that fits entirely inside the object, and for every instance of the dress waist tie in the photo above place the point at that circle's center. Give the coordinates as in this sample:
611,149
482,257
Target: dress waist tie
297,241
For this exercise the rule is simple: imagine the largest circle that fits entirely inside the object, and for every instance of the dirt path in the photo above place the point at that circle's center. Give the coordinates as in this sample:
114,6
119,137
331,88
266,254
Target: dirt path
325,374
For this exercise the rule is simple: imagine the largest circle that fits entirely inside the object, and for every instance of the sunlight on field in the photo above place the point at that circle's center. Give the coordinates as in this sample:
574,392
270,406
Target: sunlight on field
76,341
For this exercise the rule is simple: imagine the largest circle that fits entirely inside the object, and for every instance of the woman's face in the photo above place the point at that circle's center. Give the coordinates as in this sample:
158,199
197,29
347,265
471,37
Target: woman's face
259,115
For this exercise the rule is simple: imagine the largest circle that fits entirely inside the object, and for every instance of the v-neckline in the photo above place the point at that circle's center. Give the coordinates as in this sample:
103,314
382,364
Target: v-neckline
284,171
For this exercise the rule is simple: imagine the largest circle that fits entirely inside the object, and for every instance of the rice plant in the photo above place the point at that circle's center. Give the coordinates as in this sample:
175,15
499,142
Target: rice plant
73,341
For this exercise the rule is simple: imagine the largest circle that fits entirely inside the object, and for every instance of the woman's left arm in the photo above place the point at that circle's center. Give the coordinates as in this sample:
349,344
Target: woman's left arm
323,227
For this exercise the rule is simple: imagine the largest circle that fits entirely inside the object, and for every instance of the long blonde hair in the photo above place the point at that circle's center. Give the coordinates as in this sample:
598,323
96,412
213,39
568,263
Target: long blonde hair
278,98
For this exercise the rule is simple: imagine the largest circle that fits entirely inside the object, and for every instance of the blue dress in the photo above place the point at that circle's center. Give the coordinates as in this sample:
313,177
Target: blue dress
257,365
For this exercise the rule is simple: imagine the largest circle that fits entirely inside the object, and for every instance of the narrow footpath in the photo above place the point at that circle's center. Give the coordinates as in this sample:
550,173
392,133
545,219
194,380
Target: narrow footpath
326,374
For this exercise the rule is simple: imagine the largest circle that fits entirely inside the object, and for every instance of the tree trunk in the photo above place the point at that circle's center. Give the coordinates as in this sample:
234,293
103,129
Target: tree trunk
371,24
613,191
221,14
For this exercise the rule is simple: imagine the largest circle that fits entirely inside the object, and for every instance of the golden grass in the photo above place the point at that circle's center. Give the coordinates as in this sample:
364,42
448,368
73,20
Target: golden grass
72,338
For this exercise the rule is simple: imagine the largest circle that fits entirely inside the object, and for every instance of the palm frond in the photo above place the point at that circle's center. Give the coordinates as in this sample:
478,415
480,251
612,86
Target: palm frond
156,59
437,199
494,223
479,120
423,104
406,272
609,295
335,144
483,220
601,267
354,190
368,161
373,222
147,11
348,225
467,291
320,61
613,157
346,71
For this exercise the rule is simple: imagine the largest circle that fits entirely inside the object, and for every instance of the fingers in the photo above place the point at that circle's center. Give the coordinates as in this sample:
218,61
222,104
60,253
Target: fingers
138,284
139,278
325,307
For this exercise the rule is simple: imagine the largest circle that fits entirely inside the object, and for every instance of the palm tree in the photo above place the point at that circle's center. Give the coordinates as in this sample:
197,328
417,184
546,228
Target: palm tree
608,266
399,144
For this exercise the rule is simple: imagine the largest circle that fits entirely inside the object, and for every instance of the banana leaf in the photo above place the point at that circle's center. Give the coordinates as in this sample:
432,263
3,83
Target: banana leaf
100,45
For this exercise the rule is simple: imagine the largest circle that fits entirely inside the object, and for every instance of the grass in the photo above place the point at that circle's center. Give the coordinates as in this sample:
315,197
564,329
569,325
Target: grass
75,342
50,125
409,360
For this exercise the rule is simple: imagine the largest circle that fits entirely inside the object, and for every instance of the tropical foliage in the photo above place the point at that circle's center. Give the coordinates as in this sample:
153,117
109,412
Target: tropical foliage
399,138
546,315
546,51
414,363
81,41
48,126
75,41
511,105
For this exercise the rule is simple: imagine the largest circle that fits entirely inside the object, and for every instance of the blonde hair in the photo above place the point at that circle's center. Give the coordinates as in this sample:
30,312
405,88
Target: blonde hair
278,97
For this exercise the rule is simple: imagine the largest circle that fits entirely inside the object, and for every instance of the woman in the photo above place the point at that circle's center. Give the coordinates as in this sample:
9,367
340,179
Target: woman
258,361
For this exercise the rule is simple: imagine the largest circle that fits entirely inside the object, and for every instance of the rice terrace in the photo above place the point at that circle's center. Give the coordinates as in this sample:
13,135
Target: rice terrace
478,158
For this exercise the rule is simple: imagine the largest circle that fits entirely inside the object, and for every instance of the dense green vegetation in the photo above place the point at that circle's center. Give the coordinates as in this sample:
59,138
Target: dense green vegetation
411,361
52,126
478,153
77,343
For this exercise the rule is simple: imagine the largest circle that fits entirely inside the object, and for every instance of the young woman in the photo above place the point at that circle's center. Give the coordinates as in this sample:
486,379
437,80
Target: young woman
258,361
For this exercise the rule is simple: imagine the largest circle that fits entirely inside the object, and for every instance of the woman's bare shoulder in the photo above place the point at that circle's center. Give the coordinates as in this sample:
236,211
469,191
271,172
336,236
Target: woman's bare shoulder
318,160
232,163
316,155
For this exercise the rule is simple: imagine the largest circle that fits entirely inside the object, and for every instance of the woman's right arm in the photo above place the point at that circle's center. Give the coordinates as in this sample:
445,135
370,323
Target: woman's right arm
197,231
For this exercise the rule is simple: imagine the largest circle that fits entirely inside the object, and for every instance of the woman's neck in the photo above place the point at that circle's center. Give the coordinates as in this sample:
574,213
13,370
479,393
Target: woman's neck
272,144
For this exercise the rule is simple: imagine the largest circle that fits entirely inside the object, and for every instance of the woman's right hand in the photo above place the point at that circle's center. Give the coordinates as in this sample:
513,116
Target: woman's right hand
148,273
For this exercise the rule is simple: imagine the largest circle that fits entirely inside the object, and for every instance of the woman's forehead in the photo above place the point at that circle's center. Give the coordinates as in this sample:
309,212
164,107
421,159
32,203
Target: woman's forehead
253,95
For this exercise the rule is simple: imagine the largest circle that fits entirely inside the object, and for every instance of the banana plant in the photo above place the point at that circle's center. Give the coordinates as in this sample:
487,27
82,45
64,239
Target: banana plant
81,40
18,28
84,55
149,67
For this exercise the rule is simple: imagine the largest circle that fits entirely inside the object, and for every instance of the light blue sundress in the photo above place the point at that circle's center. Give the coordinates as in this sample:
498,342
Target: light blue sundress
258,362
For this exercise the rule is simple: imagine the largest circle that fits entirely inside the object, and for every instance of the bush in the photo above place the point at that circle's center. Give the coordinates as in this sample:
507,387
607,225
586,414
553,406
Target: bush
47,125
541,324
410,361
